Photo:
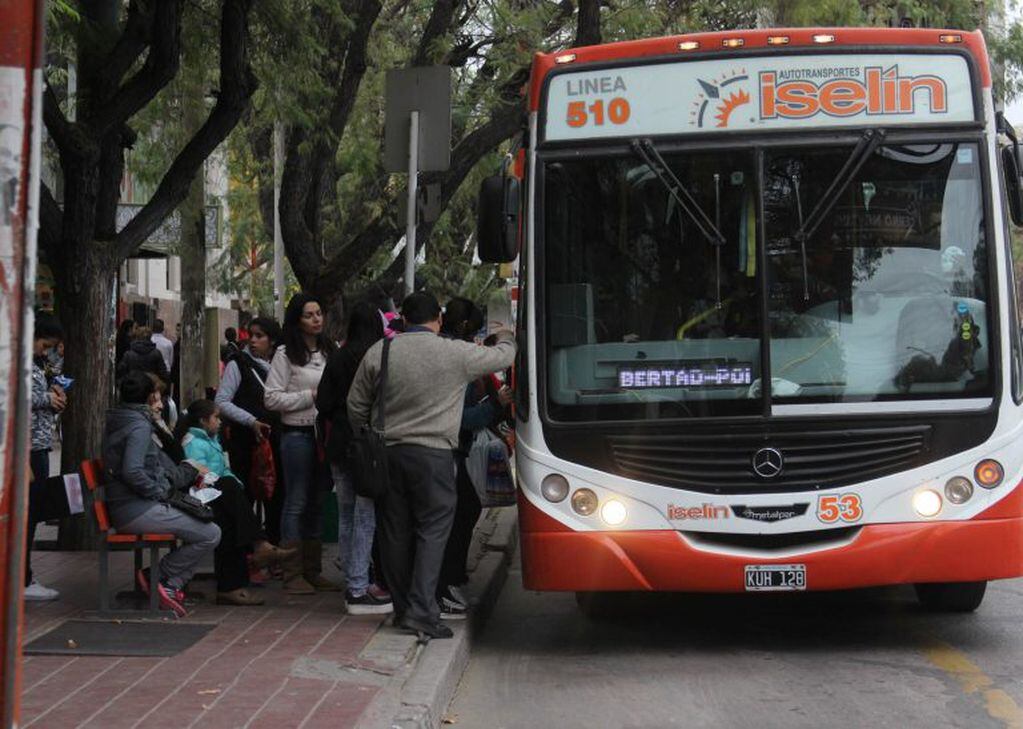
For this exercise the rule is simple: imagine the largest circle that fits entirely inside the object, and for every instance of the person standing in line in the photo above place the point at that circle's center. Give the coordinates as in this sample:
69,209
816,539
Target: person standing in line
122,343
291,386
482,407
423,399
163,345
240,399
356,516
47,401
230,346
142,355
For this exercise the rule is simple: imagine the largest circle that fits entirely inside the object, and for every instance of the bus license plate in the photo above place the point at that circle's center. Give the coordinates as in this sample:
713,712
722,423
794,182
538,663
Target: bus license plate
776,577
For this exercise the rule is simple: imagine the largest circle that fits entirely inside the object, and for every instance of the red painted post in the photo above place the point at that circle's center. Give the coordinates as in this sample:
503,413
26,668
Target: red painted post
21,55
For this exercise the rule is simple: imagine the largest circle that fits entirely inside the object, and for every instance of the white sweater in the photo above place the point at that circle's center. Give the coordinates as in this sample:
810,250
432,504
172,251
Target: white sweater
290,389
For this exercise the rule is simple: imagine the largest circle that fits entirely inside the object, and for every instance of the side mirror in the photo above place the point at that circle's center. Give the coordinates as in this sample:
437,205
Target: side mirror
1013,185
497,219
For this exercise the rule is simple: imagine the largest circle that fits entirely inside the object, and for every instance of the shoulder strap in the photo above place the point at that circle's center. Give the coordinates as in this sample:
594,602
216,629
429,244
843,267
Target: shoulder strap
382,388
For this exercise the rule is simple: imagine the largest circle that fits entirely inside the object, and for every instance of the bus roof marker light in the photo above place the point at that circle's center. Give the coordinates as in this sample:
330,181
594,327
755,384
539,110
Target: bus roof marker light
689,45
823,38
554,488
733,42
950,38
777,40
958,490
613,512
989,473
565,58
584,502
927,503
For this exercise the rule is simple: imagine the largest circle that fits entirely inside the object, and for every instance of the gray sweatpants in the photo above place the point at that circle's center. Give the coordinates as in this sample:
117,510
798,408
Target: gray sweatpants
199,539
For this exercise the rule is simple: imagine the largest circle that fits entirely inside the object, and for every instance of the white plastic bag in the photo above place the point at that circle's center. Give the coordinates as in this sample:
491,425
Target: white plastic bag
489,468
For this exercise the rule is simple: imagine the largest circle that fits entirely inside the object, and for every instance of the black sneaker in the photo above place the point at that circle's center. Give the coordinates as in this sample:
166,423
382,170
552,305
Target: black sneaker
424,629
367,604
453,597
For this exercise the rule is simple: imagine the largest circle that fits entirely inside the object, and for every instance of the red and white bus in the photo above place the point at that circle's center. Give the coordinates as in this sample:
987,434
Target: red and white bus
768,323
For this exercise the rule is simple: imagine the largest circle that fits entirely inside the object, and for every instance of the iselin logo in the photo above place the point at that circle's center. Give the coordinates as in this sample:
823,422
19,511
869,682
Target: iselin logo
706,511
881,91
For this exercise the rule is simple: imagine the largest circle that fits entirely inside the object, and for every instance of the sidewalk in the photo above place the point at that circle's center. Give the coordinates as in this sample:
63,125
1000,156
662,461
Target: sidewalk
294,662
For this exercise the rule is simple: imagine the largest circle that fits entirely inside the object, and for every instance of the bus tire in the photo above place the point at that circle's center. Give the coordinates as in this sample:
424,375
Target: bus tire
951,597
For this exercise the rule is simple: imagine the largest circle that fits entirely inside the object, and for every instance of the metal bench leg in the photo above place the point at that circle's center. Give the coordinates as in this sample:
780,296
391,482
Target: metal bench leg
154,579
137,555
104,578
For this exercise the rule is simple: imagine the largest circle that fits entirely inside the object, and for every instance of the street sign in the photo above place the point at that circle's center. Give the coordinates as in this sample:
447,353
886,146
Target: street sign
428,91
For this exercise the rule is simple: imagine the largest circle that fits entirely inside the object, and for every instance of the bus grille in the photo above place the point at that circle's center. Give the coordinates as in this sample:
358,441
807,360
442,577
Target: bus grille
723,463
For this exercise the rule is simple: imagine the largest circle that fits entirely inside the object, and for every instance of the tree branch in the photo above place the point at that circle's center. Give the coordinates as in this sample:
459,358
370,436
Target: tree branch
436,26
160,68
136,36
237,84
587,31
51,221
61,131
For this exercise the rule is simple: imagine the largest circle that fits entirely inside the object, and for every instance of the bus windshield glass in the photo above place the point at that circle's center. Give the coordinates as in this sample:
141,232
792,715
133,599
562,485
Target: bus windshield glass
646,316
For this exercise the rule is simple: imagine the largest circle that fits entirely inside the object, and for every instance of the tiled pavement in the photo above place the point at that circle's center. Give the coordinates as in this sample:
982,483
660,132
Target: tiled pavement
295,662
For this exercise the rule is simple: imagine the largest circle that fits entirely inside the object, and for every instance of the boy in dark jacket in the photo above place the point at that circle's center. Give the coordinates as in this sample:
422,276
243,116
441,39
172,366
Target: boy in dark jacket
143,356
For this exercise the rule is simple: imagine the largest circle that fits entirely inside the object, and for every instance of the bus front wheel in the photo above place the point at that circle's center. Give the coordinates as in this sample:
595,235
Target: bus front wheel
951,597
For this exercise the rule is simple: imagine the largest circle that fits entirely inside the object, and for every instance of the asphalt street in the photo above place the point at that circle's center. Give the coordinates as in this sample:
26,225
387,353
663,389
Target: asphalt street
869,658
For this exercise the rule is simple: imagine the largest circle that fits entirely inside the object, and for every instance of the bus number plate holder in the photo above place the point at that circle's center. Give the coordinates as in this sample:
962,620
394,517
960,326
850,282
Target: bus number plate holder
775,577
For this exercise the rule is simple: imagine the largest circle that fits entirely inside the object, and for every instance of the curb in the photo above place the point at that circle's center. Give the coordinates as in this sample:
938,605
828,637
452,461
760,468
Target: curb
436,669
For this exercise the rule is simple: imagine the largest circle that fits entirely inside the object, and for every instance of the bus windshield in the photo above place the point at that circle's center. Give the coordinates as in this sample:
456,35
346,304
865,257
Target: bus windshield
649,317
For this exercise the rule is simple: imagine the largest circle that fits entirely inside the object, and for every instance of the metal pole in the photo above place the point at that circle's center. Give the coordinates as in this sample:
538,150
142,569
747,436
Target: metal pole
278,238
410,220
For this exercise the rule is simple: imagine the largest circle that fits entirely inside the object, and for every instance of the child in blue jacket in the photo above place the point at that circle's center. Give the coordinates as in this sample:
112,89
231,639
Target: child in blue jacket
241,532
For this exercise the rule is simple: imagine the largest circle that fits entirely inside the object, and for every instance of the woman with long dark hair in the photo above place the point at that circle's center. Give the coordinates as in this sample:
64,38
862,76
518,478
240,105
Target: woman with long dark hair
250,423
291,386
356,514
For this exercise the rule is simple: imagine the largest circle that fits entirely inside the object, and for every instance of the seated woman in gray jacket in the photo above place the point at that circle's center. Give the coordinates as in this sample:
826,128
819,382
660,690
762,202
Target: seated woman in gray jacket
140,475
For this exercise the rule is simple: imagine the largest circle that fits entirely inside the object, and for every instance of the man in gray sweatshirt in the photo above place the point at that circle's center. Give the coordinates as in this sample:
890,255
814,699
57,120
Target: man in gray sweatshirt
423,400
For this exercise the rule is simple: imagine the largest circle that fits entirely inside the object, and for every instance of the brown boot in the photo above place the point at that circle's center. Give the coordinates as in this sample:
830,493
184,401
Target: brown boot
294,582
267,555
312,566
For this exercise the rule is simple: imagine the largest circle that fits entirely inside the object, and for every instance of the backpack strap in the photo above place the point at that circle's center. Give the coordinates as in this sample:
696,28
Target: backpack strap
382,387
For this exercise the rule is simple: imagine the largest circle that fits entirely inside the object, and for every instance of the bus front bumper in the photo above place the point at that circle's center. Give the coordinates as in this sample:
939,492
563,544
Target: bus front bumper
556,558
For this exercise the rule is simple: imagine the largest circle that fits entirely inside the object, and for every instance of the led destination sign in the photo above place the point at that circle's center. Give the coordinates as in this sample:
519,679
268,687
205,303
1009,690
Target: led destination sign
760,93
685,374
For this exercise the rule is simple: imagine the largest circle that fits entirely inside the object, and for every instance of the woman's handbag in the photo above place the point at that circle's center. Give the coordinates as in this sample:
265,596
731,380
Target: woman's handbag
489,467
185,502
367,453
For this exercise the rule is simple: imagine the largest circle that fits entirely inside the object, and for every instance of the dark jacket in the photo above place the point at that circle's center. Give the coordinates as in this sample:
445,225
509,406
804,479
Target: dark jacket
332,399
138,470
143,355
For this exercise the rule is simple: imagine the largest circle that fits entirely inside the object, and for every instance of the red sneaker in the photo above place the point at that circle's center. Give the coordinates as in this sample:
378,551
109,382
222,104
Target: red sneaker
169,599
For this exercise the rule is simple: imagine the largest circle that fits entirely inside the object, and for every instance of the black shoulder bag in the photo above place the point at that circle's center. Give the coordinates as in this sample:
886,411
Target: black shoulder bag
367,454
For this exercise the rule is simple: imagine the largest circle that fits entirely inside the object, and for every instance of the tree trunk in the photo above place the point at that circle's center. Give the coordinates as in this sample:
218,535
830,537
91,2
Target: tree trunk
85,314
193,293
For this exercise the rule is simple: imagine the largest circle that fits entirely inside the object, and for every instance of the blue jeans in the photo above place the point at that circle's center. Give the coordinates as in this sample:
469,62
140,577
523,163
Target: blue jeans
300,517
356,524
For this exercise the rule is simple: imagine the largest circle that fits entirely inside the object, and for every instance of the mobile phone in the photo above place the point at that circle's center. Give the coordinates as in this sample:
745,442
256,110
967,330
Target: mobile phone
64,381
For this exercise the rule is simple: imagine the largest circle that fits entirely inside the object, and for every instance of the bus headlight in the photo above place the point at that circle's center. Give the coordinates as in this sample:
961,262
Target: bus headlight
613,512
958,490
927,503
584,502
554,488
989,473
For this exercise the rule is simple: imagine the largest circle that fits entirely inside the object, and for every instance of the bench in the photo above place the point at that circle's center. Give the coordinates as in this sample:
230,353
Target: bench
111,541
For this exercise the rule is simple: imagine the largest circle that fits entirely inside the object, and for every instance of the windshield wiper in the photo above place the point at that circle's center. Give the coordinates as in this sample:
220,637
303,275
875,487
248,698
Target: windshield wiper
647,152
869,142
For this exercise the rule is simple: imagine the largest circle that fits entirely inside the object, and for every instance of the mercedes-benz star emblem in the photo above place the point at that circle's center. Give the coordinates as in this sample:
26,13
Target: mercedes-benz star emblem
768,462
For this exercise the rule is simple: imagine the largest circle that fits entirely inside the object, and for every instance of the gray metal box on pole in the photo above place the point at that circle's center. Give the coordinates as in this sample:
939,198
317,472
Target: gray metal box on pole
417,136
